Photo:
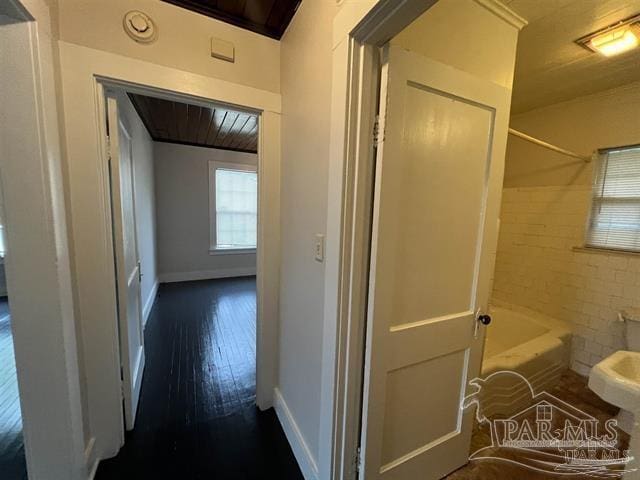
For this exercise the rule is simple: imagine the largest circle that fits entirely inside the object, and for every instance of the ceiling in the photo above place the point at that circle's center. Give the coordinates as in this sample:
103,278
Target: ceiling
175,122
551,68
266,17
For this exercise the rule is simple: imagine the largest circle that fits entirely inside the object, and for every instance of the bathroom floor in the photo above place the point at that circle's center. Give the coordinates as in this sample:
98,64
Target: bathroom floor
573,390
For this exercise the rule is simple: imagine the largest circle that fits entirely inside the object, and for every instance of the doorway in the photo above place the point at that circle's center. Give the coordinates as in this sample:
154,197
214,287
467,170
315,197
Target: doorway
85,120
398,433
185,183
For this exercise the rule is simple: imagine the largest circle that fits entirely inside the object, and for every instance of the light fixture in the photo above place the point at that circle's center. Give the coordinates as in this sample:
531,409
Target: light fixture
614,39
613,43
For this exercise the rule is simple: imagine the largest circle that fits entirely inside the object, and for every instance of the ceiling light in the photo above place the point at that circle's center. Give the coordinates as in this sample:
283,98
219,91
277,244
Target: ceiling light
614,39
615,42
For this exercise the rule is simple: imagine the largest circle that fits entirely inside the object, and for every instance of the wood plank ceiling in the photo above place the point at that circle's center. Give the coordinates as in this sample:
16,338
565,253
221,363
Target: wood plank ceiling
175,122
266,17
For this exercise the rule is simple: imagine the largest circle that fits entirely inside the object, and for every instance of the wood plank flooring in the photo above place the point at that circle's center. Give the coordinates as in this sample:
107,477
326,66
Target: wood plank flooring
12,460
197,417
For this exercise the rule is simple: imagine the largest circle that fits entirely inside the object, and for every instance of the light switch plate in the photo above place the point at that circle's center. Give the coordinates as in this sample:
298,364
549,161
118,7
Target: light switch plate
319,247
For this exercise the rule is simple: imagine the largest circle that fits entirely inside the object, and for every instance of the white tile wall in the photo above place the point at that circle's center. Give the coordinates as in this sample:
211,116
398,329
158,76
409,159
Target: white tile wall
537,268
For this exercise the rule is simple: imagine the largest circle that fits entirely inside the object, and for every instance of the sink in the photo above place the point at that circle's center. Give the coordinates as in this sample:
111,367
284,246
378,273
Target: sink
616,379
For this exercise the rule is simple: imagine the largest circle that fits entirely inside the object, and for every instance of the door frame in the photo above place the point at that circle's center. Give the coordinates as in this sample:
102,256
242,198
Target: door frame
86,73
360,29
265,350
38,267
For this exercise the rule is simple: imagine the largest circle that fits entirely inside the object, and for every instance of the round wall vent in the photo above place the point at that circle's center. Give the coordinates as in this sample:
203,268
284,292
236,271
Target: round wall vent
140,27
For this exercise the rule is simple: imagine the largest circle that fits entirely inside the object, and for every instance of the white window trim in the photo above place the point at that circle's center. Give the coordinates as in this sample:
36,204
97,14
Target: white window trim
213,246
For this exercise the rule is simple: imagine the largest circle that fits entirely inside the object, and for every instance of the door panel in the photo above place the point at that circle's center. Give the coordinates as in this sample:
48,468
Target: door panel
130,324
407,425
444,164
438,180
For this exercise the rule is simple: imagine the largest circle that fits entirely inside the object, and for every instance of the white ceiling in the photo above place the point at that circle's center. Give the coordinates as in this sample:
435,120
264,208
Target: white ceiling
551,68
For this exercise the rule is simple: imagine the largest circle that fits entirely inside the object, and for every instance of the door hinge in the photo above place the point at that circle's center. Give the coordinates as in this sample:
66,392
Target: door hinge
357,462
139,272
376,131
108,147
121,382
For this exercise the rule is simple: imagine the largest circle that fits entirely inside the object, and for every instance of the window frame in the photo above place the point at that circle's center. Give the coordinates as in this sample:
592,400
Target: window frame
213,213
594,199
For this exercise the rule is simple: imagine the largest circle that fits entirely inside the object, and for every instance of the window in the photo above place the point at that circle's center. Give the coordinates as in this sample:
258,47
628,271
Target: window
615,209
234,207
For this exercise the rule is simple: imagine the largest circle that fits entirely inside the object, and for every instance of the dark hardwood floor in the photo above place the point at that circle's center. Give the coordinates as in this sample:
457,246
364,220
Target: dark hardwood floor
197,418
12,460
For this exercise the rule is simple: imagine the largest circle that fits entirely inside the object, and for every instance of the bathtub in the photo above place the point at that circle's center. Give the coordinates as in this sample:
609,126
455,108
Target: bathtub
536,346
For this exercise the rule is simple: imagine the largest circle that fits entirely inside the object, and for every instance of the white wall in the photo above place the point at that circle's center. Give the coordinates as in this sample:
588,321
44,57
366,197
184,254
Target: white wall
145,205
182,213
183,40
449,32
584,124
544,214
306,101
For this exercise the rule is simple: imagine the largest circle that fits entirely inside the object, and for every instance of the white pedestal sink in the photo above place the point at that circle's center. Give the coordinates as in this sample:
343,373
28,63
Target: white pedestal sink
616,379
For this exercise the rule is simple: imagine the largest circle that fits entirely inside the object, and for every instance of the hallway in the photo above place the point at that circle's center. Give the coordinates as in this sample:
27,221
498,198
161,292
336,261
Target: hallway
197,416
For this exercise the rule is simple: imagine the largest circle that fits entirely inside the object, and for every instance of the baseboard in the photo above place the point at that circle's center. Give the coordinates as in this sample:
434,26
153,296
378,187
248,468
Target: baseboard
148,305
296,440
206,274
90,459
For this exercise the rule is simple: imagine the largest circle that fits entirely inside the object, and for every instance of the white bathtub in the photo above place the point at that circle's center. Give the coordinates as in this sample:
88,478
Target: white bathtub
536,346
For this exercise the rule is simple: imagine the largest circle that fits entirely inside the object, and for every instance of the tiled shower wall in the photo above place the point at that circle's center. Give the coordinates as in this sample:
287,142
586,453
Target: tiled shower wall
537,267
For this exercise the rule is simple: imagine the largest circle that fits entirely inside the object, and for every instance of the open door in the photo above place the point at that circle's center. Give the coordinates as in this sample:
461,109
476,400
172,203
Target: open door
128,275
439,171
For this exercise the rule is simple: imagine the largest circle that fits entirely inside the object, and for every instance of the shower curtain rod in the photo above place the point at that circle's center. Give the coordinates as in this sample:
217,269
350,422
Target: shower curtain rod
549,146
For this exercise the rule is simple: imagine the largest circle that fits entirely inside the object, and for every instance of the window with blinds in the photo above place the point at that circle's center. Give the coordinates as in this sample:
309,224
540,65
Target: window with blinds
615,210
235,207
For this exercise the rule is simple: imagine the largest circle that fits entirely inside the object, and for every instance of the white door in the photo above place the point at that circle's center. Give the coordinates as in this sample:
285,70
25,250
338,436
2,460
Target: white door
127,262
439,174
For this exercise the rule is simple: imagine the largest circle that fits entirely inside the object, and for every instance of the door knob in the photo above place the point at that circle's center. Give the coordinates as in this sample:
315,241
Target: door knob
484,319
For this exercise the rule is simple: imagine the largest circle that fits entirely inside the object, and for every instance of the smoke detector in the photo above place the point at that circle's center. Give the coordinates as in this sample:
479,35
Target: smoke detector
140,27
